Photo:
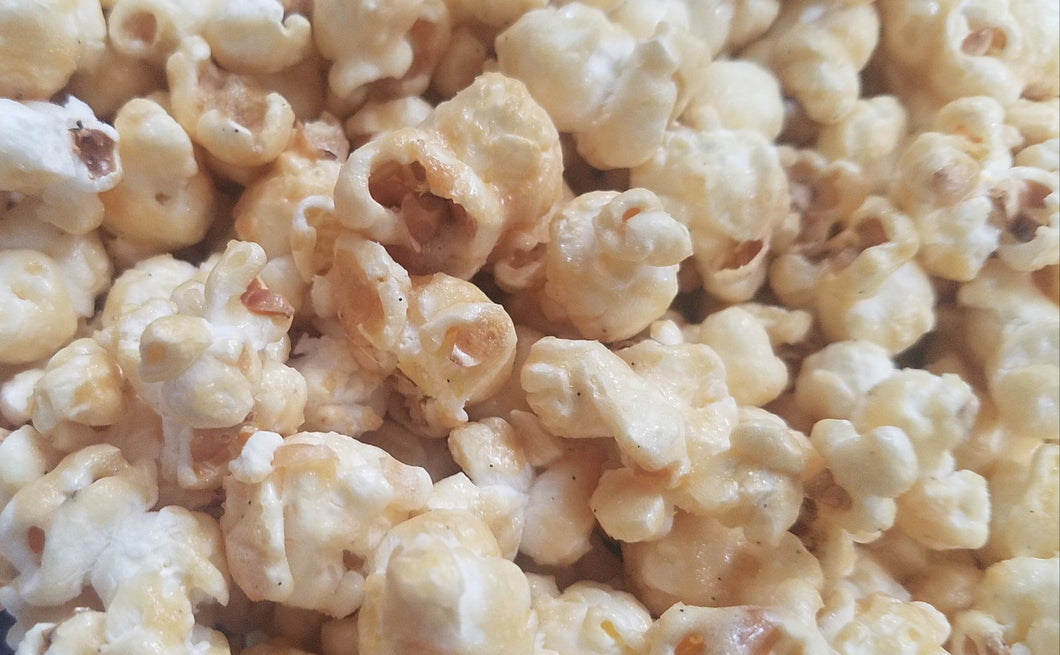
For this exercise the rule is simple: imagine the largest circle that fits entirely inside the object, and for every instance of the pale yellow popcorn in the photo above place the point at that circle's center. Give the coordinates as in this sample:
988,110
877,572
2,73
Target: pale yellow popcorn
936,412
754,481
491,452
57,159
558,518
719,567
753,373
209,358
871,136
1024,500
729,188
817,50
1038,121
437,582
739,629
231,116
611,262
55,528
631,506
80,383
37,315
580,390
25,456
341,395
614,92
113,80
165,201
157,568
325,501
879,623
1022,378
1016,610
976,47
257,36
500,507
588,617
285,210
368,42
736,94
440,196
449,341
43,43
999,299
868,472
464,59
1031,239
378,117
153,29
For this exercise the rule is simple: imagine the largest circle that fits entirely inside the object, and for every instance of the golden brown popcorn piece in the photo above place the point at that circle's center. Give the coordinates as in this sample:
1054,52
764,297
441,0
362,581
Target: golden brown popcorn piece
231,116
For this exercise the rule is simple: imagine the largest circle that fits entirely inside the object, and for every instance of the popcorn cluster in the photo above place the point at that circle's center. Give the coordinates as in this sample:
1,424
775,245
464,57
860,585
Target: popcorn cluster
532,327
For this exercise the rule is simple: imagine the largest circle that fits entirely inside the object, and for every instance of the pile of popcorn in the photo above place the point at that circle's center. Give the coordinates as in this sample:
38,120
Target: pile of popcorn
475,327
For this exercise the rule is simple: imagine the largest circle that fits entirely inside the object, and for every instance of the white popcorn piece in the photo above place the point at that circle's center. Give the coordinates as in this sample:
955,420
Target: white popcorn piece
618,111
437,581
500,507
231,116
833,382
58,158
817,50
736,94
704,180
720,567
326,500
753,373
579,389
737,629
81,383
1015,609
383,45
152,30
1024,499
56,527
588,617
611,262
44,43
443,334
257,36
879,623
558,520
165,201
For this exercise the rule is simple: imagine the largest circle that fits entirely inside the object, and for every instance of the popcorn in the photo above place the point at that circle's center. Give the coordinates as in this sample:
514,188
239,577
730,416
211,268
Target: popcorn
69,33
817,50
577,389
332,496
443,334
704,180
509,326
440,196
631,90
465,598
165,201
588,618
59,171
231,116
1015,609
737,629
38,317
383,46
611,262
720,567
257,36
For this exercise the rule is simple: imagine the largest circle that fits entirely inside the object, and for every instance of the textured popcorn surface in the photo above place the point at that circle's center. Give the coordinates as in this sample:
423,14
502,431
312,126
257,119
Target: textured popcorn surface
530,327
